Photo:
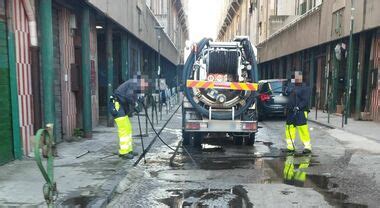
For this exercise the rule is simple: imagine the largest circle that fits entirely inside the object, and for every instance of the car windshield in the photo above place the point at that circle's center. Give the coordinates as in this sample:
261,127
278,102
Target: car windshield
274,87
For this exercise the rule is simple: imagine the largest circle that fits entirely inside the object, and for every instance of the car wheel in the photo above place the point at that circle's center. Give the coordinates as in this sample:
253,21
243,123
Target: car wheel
197,140
186,138
249,141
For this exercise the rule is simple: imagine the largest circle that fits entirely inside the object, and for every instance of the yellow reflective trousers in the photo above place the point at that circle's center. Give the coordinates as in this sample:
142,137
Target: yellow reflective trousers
124,129
303,130
293,175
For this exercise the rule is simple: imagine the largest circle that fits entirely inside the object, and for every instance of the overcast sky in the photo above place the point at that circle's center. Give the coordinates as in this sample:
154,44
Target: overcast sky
203,18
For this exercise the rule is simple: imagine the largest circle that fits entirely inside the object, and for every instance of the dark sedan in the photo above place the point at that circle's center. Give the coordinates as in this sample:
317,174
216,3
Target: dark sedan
271,100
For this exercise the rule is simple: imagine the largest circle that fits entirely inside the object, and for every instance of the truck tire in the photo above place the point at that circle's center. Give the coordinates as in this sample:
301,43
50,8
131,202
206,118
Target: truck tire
238,140
186,138
197,140
249,141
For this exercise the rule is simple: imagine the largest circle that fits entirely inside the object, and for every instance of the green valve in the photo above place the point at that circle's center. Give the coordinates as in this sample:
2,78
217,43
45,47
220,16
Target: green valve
45,141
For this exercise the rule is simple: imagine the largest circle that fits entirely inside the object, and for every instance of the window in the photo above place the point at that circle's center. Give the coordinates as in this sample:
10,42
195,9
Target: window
337,26
303,8
260,28
139,19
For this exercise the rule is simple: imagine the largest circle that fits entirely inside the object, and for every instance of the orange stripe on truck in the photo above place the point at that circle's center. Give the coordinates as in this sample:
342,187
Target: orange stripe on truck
222,85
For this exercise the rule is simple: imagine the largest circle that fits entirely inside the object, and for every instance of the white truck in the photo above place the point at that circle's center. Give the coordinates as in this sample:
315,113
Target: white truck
220,85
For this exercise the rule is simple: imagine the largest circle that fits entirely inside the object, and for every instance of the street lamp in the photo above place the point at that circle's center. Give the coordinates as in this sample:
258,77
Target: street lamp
159,30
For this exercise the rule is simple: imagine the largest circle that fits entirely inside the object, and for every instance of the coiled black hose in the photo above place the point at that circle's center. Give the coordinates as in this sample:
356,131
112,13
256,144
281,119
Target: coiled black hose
248,50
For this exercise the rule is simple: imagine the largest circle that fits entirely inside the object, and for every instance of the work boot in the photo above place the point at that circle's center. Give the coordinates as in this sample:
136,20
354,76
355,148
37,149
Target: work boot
126,156
306,151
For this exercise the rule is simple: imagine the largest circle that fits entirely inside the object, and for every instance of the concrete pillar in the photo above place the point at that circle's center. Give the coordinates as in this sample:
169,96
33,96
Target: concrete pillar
86,72
280,68
109,51
312,76
124,57
334,90
288,66
359,76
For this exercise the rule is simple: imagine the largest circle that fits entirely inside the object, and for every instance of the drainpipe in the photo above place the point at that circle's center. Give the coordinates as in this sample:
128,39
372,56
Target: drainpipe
47,60
30,13
17,146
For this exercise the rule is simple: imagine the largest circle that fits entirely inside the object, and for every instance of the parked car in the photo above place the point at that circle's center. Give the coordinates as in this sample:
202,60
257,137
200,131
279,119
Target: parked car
271,99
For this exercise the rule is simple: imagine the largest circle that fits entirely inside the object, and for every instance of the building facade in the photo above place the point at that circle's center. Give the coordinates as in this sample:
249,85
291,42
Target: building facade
60,60
313,37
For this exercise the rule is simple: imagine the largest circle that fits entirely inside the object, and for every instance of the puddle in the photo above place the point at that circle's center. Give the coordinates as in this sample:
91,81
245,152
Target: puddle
78,202
293,171
234,197
265,159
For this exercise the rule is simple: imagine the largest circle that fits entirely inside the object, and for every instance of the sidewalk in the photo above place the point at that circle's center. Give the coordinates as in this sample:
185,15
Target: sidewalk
368,129
89,180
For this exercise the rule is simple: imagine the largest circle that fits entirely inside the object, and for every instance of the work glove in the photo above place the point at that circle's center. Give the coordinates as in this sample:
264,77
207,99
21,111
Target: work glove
296,109
137,108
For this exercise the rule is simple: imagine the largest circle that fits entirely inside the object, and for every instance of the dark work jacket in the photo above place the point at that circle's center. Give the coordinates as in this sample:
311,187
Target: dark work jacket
299,96
126,95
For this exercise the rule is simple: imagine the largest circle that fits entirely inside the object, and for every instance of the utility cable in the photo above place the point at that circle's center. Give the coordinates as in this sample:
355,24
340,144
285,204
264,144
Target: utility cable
155,138
151,124
141,136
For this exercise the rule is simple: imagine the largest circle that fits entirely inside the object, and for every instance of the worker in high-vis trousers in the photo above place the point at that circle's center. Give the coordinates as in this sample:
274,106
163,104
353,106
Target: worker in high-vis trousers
122,105
295,170
297,113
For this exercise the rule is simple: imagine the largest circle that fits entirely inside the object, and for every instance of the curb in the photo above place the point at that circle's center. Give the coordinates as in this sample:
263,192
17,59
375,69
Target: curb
323,124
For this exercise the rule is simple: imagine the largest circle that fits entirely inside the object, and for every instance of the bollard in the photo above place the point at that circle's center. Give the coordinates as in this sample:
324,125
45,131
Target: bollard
152,105
344,110
45,140
328,108
146,118
316,107
155,110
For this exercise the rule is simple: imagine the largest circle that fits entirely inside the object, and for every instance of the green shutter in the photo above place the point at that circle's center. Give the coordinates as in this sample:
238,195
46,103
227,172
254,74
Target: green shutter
6,139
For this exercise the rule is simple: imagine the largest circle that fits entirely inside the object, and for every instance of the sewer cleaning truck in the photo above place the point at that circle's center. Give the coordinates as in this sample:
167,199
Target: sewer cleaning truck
220,86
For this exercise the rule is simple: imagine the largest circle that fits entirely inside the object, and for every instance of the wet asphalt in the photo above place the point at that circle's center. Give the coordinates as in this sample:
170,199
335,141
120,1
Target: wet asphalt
221,174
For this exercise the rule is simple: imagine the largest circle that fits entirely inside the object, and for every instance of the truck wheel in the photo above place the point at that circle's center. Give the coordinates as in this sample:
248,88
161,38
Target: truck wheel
197,140
186,138
249,141
238,140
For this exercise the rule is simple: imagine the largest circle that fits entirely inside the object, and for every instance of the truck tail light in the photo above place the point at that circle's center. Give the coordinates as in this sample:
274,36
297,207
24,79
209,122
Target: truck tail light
193,125
264,97
249,126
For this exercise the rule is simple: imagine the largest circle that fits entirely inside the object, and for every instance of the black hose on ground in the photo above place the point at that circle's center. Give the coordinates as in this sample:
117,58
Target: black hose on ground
188,67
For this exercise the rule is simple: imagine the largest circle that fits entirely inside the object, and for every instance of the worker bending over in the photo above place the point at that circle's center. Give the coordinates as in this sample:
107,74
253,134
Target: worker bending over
122,104
297,113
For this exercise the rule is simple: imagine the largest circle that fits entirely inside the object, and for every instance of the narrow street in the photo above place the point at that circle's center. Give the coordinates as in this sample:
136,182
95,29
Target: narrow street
222,174
189,103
